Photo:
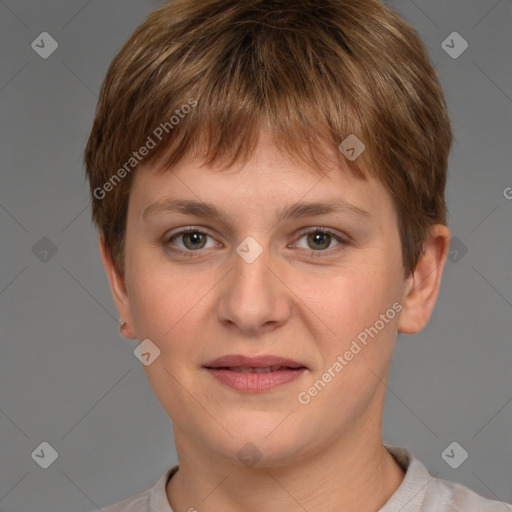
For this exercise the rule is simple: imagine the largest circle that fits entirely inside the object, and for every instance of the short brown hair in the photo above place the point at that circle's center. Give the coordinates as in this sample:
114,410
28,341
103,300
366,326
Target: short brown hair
312,72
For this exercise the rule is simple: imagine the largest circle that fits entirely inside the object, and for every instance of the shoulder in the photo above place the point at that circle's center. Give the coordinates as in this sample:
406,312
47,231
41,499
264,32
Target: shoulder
150,500
137,503
447,496
422,492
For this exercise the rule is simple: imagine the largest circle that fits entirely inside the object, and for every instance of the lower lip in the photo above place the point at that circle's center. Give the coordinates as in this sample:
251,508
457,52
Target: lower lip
255,382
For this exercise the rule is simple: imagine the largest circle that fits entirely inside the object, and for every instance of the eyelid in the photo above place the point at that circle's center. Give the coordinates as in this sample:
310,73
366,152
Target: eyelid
329,231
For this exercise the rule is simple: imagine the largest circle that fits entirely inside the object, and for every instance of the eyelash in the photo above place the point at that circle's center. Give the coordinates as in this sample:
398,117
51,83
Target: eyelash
190,253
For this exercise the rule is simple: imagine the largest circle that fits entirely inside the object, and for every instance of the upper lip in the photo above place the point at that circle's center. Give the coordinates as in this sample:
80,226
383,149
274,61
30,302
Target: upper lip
252,362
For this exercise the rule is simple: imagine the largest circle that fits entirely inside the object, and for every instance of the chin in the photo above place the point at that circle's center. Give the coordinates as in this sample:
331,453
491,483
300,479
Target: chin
259,443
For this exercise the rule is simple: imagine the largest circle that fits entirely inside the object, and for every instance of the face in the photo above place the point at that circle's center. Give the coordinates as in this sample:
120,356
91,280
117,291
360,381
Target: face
311,298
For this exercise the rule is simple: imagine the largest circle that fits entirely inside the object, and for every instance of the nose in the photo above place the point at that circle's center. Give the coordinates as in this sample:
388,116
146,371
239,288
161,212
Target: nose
254,297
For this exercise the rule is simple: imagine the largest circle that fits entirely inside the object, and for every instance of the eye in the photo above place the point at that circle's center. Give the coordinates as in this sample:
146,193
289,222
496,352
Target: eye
319,239
192,239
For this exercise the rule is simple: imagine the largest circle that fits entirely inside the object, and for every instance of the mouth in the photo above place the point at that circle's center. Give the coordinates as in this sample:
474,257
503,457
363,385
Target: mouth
254,374
265,362
246,369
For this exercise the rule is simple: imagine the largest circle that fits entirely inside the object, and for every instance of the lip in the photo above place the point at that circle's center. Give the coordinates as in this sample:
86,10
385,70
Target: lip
227,371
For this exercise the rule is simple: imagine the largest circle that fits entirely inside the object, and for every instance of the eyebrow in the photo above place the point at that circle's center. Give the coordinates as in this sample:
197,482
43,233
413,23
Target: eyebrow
295,210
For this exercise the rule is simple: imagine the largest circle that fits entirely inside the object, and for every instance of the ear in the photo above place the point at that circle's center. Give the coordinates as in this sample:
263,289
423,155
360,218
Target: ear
118,289
423,285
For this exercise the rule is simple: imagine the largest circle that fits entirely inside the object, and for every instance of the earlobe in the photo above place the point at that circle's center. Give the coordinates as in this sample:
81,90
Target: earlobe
423,286
118,289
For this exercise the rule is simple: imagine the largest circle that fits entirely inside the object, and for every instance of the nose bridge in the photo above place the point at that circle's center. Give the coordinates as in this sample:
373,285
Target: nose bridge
251,270
252,296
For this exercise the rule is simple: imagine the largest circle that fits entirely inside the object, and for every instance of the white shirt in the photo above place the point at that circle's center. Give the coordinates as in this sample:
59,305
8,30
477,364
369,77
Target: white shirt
418,492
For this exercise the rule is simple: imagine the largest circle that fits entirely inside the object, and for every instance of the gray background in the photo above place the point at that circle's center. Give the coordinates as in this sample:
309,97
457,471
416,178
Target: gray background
66,375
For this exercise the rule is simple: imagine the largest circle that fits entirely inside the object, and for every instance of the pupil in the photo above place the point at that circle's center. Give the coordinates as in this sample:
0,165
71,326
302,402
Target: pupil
319,237
195,238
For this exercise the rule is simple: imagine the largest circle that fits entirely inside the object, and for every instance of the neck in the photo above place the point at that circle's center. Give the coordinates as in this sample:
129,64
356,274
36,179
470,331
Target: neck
353,474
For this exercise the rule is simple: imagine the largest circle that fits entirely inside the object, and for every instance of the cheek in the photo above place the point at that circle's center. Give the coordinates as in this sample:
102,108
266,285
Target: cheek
346,302
164,307
351,313
356,357
165,304
158,297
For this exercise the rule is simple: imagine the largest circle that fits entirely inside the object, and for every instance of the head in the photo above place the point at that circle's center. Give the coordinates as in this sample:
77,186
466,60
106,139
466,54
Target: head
251,107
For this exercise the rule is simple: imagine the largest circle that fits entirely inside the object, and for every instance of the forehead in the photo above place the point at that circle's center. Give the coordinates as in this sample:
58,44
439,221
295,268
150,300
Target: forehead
269,181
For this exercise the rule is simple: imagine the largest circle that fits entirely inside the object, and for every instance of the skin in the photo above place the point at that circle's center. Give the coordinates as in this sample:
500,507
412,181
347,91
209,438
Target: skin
303,300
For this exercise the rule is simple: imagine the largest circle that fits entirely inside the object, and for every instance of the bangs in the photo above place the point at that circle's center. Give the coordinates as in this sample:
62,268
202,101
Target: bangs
252,78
